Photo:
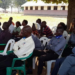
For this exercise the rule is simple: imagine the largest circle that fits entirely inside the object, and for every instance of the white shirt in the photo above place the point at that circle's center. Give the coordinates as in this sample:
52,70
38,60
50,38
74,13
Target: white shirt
37,26
21,27
11,28
65,34
24,47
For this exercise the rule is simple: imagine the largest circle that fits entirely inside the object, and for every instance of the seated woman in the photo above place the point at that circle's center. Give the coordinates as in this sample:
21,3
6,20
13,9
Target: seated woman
17,28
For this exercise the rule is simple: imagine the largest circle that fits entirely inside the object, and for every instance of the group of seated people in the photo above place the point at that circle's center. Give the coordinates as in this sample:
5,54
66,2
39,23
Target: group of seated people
27,38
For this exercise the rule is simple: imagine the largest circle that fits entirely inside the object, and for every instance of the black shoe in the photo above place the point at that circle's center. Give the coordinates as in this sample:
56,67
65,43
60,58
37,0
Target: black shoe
29,71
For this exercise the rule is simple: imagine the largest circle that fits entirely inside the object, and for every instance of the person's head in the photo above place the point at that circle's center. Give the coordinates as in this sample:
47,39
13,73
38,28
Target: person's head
18,24
73,22
26,31
5,25
74,30
43,24
33,27
59,31
38,21
25,22
61,24
10,19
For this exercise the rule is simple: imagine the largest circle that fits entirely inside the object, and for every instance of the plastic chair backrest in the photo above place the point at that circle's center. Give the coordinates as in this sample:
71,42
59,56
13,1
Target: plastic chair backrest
24,58
62,50
54,29
44,40
11,42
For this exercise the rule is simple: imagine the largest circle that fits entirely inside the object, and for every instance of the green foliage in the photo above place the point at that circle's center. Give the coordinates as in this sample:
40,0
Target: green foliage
5,3
53,1
18,3
0,1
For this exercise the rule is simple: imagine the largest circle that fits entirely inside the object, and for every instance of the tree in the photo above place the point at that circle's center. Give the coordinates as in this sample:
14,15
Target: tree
18,3
5,4
0,1
71,8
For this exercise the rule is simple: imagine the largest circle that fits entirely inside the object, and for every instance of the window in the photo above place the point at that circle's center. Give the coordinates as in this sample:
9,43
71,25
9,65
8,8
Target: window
26,8
42,8
62,7
49,8
55,7
31,8
36,8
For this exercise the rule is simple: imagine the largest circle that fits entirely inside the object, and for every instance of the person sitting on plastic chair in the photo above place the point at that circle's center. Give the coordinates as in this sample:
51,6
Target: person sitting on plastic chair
19,50
54,47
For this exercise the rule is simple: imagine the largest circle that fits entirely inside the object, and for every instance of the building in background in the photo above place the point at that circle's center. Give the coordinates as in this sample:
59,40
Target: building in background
41,8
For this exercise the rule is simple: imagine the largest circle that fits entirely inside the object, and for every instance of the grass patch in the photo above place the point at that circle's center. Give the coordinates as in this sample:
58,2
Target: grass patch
51,21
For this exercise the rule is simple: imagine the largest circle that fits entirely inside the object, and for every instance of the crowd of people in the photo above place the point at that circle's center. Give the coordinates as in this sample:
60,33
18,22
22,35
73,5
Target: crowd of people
27,38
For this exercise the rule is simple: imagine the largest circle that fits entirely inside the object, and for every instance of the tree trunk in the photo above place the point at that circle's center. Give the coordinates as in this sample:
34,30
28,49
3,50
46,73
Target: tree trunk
71,12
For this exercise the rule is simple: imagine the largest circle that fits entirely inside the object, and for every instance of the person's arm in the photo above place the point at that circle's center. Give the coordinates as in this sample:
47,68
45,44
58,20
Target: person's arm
49,44
16,45
58,46
66,66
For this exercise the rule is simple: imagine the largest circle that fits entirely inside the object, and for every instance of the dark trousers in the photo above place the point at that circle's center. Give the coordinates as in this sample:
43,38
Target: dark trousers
46,57
43,56
6,61
57,66
37,53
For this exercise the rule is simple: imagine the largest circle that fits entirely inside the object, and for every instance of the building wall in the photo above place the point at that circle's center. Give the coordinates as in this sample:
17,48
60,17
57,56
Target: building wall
45,7
46,12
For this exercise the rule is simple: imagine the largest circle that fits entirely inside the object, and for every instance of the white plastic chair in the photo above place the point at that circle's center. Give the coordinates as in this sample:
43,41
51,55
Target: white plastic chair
49,63
44,41
11,43
33,62
54,29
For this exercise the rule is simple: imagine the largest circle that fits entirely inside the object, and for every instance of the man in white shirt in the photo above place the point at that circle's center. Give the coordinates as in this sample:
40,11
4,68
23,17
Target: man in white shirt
11,27
21,49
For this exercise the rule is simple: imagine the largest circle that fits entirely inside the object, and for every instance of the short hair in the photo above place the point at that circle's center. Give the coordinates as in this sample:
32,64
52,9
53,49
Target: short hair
39,20
25,21
11,18
18,23
5,25
44,22
63,25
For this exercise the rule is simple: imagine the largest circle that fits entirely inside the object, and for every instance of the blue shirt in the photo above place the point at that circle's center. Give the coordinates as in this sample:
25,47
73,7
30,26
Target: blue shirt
38,45
57,44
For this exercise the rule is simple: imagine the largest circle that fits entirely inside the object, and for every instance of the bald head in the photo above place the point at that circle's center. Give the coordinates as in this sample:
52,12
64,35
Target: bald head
26,31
